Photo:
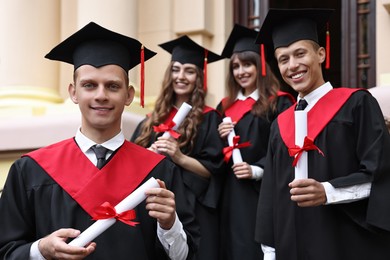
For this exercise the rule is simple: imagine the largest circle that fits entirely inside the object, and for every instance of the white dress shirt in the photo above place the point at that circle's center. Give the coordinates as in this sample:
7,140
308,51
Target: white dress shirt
173,240
339,195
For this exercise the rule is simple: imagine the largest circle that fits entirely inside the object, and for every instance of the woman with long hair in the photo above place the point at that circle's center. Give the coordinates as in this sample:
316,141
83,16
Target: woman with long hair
195,146
253,101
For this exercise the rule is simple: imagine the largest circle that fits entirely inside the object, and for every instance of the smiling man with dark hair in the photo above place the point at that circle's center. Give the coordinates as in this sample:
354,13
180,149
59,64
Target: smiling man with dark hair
54,193
340,211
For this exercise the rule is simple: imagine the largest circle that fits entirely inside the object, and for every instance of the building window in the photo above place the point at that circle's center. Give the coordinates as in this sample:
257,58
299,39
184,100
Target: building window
363,58
248,12
254,14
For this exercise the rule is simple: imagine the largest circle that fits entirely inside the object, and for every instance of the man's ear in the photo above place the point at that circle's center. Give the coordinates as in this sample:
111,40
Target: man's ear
322,54
72,93
130,95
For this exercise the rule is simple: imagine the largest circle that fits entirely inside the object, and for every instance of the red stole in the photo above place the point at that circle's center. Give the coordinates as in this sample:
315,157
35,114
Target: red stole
85,183
239,108
207,109
317,118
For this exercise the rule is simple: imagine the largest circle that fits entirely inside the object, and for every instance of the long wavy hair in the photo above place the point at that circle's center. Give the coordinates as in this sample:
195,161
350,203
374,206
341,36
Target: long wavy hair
164,104
268,86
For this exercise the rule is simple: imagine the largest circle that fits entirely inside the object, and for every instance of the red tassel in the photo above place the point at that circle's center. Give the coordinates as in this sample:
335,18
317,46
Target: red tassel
327,47
142,76
206,53
263,66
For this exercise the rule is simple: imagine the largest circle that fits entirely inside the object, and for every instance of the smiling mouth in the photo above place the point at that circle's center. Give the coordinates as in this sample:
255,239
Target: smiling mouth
101,108
181,84
243,79
297,76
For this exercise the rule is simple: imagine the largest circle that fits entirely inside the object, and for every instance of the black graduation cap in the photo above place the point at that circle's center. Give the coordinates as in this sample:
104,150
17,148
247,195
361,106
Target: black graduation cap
241,39
185,50
97,46
282,27
285,26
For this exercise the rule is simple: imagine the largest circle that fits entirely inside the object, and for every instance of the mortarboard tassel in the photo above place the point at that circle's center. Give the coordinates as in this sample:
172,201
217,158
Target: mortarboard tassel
206,52
263,66
327,47
142,76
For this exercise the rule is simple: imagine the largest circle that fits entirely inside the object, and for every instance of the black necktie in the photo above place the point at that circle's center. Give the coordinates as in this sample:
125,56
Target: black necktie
100,153
302,104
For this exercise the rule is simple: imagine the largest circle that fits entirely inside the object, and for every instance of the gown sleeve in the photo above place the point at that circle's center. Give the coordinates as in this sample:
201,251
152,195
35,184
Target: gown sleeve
208,151
17,216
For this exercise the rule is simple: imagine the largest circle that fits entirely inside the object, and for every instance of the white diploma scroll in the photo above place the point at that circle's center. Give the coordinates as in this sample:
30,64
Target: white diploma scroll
179,117
300,134
236,154
128,203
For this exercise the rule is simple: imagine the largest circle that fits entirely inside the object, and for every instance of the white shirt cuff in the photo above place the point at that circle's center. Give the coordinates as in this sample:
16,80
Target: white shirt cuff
174,240
257,172
269,252
346,194
35,254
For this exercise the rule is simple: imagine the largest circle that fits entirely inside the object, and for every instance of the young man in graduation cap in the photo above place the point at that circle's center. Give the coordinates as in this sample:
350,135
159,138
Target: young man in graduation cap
52,194
340,211
197,151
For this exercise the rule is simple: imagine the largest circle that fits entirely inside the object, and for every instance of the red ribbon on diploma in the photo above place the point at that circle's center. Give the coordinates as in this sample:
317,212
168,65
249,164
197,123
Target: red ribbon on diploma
106,210
167,128
228,151
308,144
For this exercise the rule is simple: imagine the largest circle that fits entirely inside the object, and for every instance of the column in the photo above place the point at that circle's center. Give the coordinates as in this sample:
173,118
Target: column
28,30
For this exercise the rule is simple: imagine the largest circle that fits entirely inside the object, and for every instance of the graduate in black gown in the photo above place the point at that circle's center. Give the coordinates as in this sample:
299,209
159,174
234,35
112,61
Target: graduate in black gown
341,210
198,149
52,194
253,102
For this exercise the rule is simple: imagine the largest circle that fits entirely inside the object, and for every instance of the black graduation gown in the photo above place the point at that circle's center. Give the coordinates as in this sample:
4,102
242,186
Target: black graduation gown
33,205
204,194
356,145
240,197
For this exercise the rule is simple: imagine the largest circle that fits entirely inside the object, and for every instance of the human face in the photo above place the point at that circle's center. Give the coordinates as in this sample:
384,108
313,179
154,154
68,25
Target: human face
245,74
101,93
183,80
300,66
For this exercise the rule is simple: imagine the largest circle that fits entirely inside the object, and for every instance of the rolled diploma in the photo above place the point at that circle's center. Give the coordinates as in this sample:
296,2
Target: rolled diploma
300,134
236,154
179,117
128,203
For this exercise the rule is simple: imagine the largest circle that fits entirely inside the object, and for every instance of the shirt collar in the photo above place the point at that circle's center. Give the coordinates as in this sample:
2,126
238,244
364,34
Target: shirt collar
85,143
316,94
254,95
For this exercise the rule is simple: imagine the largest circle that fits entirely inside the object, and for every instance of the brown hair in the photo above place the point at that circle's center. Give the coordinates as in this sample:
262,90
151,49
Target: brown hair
268,85
164,104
